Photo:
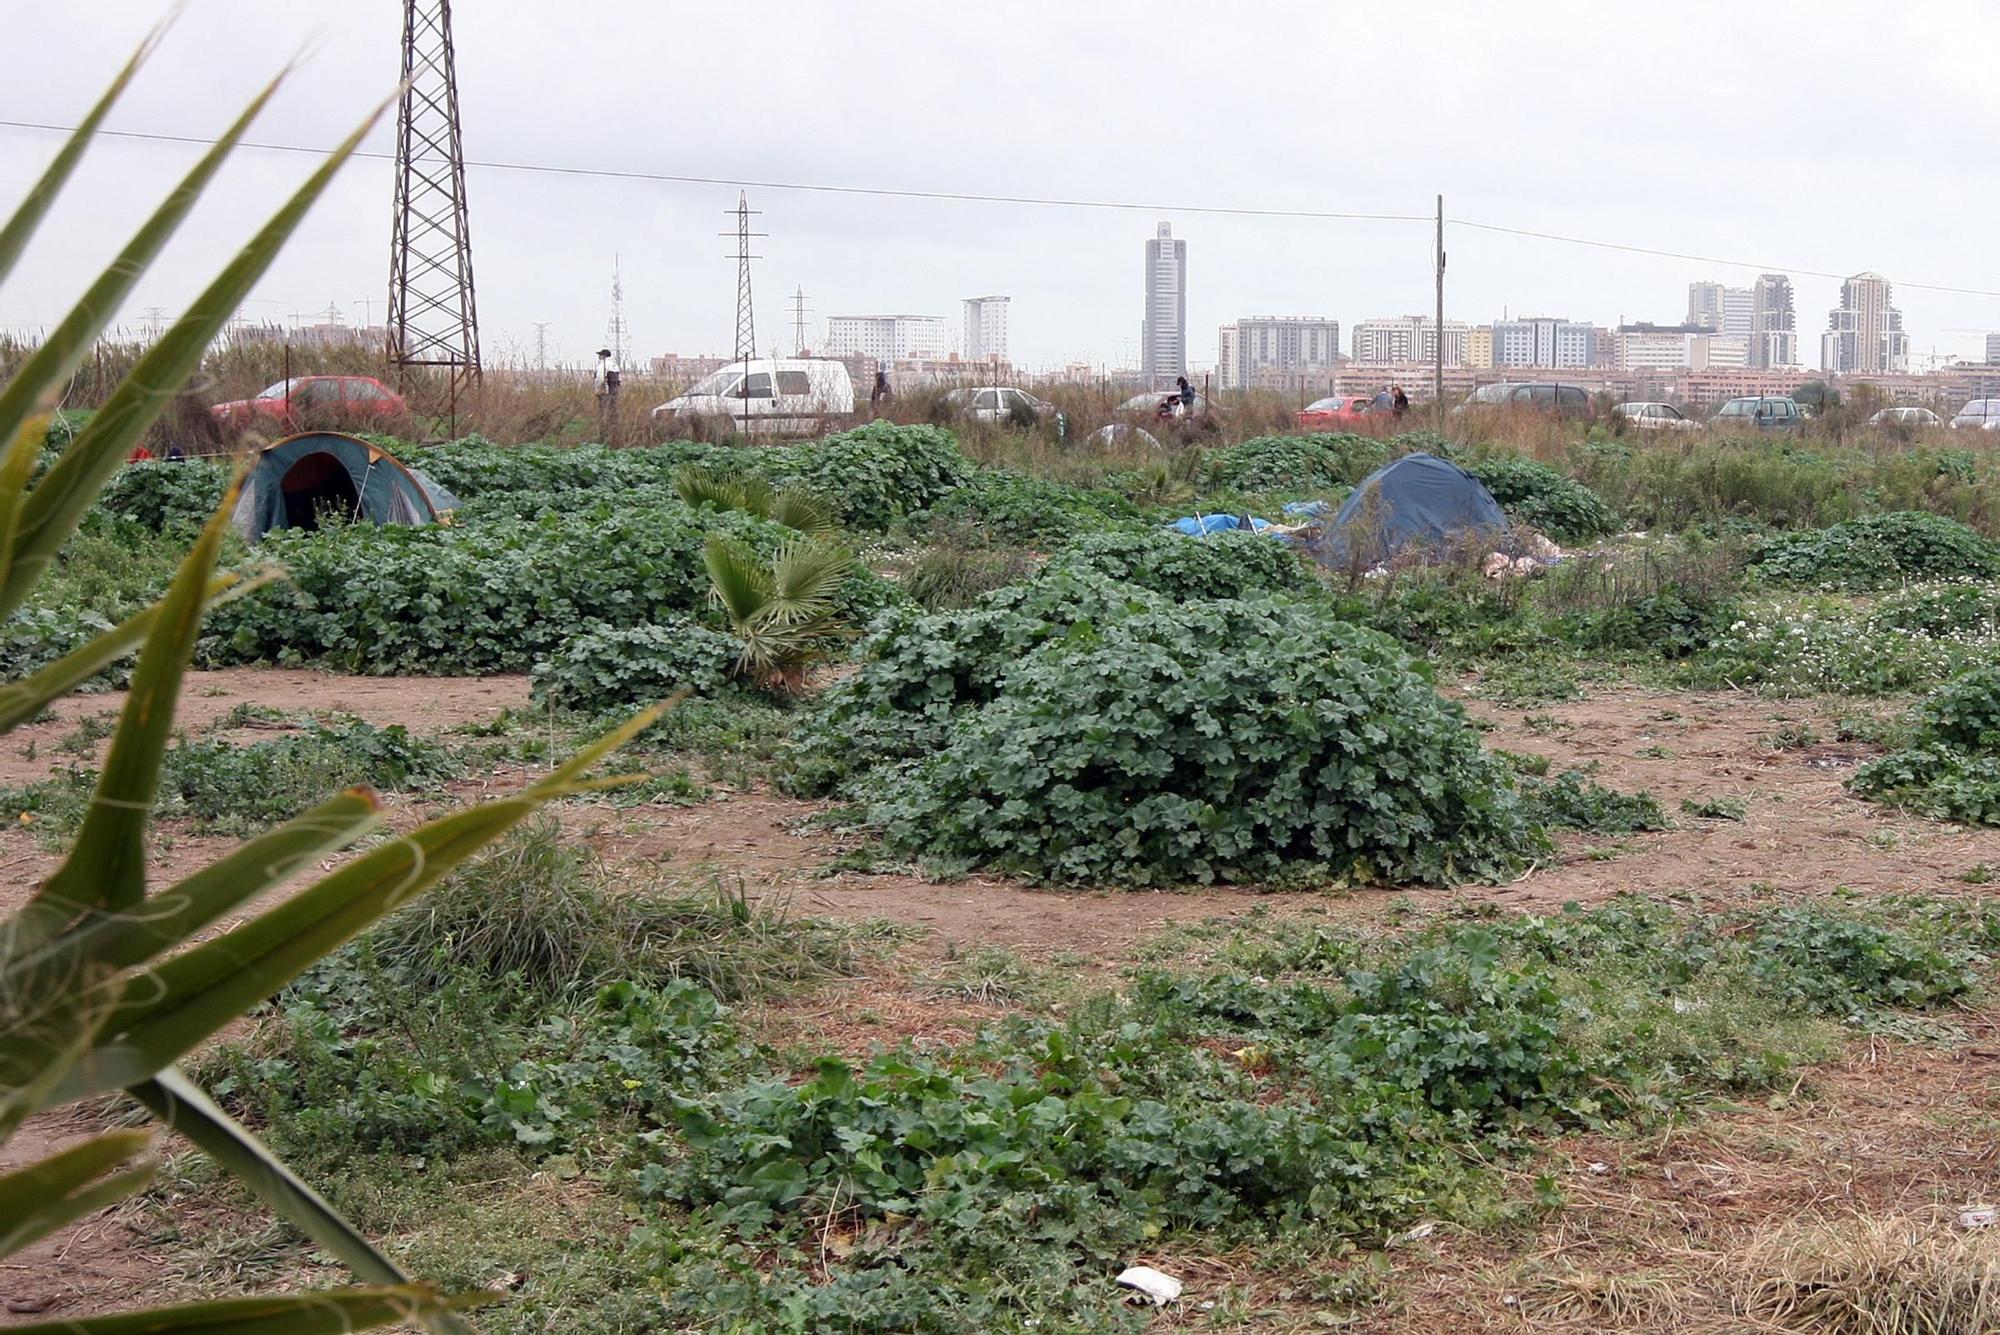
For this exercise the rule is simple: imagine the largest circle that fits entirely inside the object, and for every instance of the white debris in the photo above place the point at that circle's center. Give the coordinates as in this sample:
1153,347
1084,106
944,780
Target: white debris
1162,1288
1979,1216
1599,1167
1417,1234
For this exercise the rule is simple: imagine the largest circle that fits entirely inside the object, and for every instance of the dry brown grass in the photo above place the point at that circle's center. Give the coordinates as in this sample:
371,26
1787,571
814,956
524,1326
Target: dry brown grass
1858,1275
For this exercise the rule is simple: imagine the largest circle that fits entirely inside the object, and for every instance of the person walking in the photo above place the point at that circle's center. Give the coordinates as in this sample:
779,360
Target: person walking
879,395
1186,396
1383,402
606,380
1398,400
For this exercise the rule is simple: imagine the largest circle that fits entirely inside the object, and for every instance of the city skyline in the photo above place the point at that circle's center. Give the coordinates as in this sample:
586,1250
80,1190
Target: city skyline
545,243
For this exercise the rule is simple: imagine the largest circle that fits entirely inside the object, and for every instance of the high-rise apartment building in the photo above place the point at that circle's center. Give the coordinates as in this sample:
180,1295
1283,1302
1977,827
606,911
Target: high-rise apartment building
1541,341
1993,349
1479,346
1657,347
1163,334
1225,358
1724,309
888,338
986,329
1408,338
1283,352
1865,332
1774,326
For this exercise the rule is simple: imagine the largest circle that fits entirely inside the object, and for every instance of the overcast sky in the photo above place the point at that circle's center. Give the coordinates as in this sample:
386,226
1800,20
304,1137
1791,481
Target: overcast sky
1825,136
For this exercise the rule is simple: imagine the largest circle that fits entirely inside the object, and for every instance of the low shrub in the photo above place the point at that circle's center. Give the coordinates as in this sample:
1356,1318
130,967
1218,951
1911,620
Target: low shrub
1950,767
998,507
1877,551
1573,801
1213,741
165,496
1837,964
1294,463
243,788
1542,498
874,473
1220,565
601,667
950,577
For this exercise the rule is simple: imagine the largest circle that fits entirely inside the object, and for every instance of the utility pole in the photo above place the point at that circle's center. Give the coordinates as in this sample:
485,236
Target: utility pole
799,323
616,336
1437,371
433,314
746,318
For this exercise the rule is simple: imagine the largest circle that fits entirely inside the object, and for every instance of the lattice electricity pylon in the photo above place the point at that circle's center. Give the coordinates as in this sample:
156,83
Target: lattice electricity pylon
799,323
746,321
617,336
433,312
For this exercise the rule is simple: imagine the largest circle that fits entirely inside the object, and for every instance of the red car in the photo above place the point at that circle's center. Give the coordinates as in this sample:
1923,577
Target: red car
315,400
1342,412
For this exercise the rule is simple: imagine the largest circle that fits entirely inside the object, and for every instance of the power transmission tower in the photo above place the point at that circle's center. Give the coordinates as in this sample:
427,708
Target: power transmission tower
746,322
617,337
799,323
541,345
433,315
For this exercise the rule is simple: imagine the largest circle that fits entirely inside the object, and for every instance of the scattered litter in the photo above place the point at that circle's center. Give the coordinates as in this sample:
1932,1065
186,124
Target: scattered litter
1417,1234
1162,1288
1598,1166
1687,1005
1980,1216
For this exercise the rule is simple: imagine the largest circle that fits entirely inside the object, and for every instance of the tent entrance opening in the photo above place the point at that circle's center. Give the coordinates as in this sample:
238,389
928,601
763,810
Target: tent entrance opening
318,485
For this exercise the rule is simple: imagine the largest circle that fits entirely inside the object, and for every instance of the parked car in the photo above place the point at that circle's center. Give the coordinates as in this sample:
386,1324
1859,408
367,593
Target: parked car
1530,395
1163,405
1656,417
774,395
1000,403
1342,412
307,401
1980,414
1907,418
1766,412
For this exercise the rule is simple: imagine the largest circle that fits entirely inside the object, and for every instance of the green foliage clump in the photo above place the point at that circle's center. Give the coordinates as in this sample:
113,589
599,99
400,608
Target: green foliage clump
243,788
1838,965
176,496
874,473
1880,550
1294,463
1213,741
1220,565
1675,621
1950,767
1536,495
602,668
949,577
1573,801
999,507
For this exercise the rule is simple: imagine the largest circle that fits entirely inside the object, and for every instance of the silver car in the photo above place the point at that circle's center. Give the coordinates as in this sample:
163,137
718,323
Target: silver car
1983,414
1656,417
1906,417
999,403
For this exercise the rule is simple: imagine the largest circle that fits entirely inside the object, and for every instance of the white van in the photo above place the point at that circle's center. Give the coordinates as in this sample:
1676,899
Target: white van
767,395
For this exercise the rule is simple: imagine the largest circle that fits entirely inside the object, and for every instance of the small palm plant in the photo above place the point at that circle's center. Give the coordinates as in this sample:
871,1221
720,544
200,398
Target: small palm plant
795,509
105,981
783,613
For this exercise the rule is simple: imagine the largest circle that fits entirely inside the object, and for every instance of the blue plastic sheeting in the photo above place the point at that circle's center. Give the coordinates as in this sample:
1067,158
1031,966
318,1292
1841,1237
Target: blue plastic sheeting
1305,509
1200,526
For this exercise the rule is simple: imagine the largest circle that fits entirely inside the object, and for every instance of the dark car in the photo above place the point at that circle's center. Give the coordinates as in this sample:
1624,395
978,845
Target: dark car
1758,412
1541,396
307,401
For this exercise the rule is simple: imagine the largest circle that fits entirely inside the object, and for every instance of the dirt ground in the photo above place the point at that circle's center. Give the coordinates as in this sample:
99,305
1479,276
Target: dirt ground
1898,1134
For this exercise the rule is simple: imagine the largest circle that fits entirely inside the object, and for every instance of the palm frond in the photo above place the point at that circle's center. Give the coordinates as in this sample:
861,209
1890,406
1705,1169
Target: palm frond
803,512
805,576
699,486
737,579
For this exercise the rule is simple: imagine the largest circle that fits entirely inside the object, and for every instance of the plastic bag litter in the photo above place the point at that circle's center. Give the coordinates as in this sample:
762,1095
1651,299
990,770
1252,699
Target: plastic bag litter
1160,1287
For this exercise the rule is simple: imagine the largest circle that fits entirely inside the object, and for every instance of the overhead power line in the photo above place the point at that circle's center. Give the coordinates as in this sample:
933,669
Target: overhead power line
1039,201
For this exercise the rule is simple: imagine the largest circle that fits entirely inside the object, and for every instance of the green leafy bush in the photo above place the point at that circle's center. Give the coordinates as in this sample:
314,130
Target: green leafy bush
1964,713
602,667
1950,768
1880,550
874,473
163,496
1542,498
1294,463
242,788
1835,964
1573,801
1221,565
998,507
1213,741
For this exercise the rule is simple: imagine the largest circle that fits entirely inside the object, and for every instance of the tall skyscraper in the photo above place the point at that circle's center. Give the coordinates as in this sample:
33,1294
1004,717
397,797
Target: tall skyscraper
1226,343
1865,331
1724,309
1163,334
1774,326
986,329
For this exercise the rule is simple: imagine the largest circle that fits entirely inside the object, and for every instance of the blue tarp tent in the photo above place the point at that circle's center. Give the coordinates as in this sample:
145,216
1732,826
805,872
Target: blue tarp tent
301,479
1419,500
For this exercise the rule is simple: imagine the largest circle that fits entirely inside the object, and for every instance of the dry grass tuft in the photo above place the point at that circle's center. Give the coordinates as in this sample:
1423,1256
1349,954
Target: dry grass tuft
1863,1276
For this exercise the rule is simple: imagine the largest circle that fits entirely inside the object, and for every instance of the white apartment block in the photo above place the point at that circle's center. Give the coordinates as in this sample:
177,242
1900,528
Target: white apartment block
889,338
986,329
1225,358
1723,309
1544,342
1283,352
1408,338
1993,349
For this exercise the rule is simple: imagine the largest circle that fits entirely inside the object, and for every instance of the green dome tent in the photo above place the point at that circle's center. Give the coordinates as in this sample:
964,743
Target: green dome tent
301,479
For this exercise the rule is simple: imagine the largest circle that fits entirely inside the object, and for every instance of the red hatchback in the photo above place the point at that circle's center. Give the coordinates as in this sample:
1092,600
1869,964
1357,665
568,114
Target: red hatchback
310,401
1342,412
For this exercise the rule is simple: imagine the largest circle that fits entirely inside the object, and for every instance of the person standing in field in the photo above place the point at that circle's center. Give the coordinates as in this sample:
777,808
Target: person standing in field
1398,400
880,394
606,380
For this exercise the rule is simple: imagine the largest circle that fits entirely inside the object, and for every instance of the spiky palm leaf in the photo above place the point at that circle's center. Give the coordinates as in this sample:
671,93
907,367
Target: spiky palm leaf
699,486
803,512
781,613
